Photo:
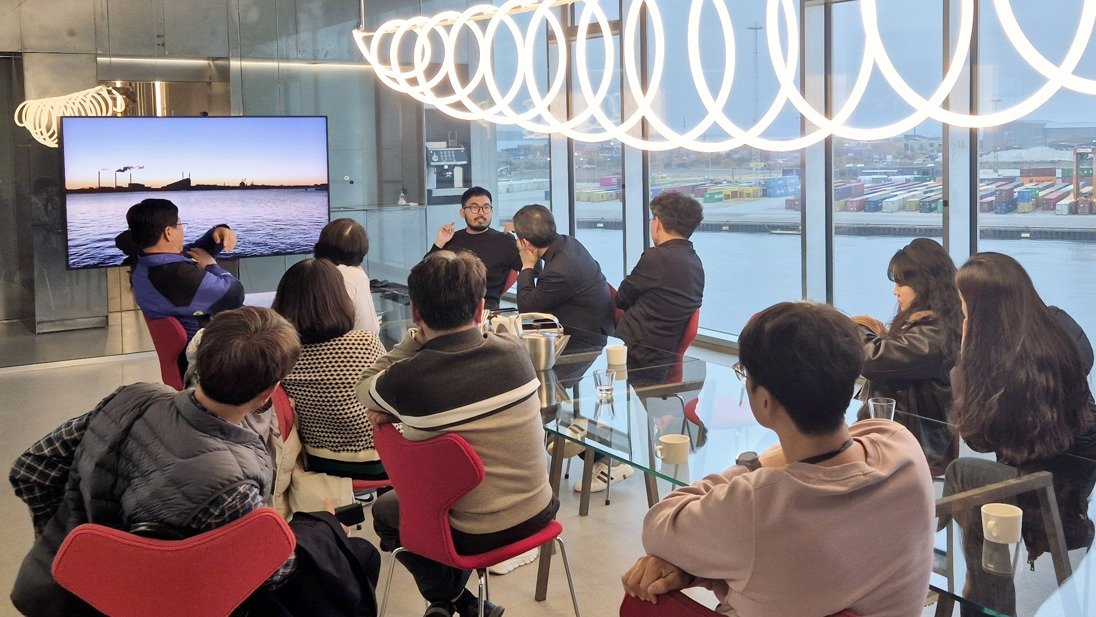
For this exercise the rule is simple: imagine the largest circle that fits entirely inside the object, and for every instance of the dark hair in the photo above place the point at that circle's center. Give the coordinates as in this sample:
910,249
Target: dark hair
536,224
148,219
679,213
343,242
312,296
1019,385
446,288
245,351
926,267
808,355
475,191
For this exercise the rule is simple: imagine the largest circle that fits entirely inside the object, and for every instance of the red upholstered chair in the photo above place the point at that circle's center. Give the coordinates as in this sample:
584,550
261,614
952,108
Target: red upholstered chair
510,280
430,477
169,339
677,604
125,575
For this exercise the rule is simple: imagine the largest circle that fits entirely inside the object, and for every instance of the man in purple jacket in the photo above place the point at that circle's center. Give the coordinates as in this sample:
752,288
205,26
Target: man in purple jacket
168,283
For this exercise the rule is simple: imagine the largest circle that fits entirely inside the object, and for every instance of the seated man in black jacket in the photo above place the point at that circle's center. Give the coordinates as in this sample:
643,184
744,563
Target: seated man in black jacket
666,286
569,286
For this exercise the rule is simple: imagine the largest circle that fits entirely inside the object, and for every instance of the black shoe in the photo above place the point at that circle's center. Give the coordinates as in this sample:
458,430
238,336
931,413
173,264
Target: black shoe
490,609
439,609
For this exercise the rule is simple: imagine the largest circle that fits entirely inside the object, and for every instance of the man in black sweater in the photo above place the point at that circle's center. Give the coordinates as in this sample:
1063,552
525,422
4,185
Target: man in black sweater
666,286
569,286
495,249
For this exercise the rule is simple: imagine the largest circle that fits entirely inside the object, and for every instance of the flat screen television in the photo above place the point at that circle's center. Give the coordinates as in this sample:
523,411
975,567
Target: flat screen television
266,177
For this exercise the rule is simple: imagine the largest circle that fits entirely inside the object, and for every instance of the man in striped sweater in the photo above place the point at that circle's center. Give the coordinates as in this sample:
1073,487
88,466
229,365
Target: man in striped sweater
432,382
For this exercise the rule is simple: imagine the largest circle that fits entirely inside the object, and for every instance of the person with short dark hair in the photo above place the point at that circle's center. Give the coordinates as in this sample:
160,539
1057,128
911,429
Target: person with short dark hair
570,285
333,424
666,287
499,416
171,278
835,518
344,243
180,461
495,249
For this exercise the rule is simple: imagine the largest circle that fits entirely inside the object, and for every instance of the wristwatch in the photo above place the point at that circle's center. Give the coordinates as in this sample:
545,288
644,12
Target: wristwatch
749,460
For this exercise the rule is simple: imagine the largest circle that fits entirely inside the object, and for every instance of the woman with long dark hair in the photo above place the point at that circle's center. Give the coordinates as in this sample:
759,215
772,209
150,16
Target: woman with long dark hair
911,361
1021,392
332,423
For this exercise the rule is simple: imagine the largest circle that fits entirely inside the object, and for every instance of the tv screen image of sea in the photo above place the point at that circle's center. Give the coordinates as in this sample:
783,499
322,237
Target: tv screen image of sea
267,221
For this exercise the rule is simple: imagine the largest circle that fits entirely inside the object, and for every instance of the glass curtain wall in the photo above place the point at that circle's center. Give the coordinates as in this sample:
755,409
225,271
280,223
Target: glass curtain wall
1035,173
750,240
886,192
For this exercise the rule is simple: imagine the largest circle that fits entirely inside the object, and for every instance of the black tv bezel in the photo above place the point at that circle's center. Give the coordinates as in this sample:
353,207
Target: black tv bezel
64,189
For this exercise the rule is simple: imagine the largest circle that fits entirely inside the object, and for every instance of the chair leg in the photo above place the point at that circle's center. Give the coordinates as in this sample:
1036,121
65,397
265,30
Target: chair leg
388,581
482,589
567,570
567,470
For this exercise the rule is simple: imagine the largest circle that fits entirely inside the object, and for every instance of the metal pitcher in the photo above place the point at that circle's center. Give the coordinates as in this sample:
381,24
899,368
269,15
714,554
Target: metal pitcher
542,333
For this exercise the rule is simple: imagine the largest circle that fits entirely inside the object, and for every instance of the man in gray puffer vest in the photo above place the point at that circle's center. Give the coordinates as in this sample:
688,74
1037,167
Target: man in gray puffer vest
149,454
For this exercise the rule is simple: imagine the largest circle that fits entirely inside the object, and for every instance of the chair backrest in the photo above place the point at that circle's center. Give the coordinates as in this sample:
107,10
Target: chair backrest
510,280
169,339
433,475
677,604
618,313
125,575
283,408
689,336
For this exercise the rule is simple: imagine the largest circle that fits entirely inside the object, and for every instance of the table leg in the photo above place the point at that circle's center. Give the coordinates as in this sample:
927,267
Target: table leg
587,477
544,566
945,606
652,489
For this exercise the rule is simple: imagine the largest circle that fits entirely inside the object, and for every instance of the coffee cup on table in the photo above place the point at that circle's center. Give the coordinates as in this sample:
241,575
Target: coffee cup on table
673,449
1001,522
617,354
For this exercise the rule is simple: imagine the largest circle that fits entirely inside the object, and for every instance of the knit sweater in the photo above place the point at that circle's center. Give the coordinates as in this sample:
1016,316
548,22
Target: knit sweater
806,539
331,421
482,387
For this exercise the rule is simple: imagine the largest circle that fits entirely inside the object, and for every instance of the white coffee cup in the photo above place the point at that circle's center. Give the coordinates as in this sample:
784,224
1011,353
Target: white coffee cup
673,449
1001,522
617,354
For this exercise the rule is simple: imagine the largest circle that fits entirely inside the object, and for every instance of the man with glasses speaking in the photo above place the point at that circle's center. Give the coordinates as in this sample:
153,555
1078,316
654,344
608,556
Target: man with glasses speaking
495,249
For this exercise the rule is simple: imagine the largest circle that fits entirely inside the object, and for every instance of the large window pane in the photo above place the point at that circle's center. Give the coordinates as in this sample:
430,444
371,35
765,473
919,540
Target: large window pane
1029,206
749,240
886,192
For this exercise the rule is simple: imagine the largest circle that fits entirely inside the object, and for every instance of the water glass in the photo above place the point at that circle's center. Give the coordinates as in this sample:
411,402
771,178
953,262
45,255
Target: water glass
881,407
604,382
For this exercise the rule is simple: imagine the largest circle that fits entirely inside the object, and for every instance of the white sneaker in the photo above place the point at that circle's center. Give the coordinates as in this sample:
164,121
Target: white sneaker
603,477
514,563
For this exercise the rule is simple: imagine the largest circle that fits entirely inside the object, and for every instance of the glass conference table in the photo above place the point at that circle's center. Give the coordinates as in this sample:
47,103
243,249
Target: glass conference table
707,402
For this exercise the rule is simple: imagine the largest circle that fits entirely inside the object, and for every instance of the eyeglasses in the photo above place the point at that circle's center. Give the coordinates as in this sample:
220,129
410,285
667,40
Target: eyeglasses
475,209
180,225
740,371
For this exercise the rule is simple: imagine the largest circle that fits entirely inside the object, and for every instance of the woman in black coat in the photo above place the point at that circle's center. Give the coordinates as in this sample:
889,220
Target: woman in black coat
911,361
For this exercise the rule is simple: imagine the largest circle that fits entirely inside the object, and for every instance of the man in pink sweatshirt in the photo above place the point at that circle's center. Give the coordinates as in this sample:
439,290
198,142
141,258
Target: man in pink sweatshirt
835,518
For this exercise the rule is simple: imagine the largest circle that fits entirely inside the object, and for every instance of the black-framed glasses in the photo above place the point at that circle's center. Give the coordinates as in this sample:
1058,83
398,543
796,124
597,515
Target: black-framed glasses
180,225
476,209
740,371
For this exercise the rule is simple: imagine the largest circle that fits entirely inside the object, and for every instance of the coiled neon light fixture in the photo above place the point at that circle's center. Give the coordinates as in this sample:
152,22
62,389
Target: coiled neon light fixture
483,24
42,117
